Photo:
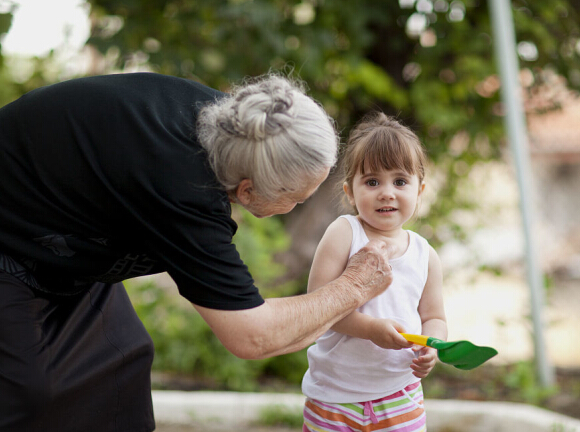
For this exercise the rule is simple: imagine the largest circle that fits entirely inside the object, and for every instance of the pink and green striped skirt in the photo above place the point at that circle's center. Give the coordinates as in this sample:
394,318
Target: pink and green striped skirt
401,412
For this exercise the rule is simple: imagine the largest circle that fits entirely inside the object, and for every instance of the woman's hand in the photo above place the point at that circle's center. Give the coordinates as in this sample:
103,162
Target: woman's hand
425,361
369,270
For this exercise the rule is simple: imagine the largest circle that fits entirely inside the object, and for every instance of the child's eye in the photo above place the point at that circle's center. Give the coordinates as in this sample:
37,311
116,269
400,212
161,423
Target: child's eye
400,182
372,182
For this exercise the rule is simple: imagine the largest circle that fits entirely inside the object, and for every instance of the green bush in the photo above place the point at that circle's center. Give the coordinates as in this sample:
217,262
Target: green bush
185,344
281,415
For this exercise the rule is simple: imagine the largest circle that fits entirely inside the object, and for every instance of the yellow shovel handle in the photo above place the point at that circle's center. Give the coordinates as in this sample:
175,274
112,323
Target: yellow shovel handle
416,339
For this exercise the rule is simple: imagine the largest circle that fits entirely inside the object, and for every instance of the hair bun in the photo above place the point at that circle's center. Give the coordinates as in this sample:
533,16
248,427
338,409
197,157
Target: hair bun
259,112
268,130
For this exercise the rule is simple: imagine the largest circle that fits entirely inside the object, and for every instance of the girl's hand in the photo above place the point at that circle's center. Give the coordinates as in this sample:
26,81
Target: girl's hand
385,334
425,361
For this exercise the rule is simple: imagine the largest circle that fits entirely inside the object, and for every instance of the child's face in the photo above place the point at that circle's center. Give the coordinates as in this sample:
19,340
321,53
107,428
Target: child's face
385,199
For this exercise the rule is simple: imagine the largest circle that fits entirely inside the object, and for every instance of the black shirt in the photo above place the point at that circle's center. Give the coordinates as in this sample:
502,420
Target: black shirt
103,179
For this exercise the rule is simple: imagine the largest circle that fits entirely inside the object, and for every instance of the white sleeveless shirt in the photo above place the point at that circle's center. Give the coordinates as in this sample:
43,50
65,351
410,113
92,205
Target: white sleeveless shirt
346,369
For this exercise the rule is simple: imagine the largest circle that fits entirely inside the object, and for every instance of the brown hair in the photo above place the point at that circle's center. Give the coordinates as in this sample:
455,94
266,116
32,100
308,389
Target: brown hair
380,142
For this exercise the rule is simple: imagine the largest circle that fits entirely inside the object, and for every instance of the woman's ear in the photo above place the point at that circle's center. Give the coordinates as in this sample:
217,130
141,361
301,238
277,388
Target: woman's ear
244,191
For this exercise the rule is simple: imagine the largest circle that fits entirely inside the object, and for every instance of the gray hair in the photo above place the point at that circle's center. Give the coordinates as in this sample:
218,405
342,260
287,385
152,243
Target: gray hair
268,131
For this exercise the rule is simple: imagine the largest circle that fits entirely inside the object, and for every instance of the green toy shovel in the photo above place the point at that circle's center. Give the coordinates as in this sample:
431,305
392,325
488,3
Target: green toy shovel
461,354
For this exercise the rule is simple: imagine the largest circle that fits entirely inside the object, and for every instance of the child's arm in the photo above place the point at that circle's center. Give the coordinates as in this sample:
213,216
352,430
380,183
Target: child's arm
432,313
329,262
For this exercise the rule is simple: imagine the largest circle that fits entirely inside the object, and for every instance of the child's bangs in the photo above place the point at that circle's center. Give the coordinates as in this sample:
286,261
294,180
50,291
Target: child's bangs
385,151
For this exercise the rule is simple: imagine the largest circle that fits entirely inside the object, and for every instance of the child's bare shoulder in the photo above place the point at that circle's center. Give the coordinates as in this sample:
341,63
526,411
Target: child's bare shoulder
338,237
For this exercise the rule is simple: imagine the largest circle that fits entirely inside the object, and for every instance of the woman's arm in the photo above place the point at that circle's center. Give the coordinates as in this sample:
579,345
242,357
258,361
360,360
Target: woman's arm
283,325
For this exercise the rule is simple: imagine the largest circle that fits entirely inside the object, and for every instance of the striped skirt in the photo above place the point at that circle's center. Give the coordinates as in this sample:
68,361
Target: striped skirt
401,412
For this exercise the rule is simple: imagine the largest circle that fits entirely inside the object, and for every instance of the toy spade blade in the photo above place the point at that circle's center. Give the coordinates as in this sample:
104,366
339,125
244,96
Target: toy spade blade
461,354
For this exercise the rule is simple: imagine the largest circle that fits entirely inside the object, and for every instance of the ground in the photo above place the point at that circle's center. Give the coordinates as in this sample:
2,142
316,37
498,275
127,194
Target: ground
222,428
515,383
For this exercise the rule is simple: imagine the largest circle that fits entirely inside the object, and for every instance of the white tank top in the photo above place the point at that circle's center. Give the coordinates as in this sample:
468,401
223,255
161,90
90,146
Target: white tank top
346,369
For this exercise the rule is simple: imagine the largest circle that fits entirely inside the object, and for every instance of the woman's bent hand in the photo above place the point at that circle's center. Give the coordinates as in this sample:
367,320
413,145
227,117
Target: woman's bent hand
369,270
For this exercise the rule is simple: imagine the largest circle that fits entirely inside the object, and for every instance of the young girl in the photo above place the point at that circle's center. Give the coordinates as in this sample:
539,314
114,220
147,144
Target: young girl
363,375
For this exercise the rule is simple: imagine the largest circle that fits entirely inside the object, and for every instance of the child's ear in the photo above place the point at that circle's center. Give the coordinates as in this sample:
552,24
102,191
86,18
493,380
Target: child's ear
348,193
421,188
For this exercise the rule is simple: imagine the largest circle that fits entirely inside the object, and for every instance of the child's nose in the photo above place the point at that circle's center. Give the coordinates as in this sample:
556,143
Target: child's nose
387,192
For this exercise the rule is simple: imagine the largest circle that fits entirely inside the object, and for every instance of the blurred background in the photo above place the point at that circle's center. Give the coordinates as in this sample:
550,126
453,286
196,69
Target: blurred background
431,63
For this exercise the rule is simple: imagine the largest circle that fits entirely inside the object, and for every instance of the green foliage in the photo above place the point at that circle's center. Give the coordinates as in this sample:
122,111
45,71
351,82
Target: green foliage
7,93
281,415
289,367
9,88
513,382
559,427
522,379
6,21
185,344
258,242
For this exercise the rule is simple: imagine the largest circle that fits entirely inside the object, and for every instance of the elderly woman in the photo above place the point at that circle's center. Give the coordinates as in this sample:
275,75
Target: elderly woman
111,177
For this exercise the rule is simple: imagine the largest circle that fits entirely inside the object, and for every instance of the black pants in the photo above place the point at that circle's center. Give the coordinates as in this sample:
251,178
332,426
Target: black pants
73,364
